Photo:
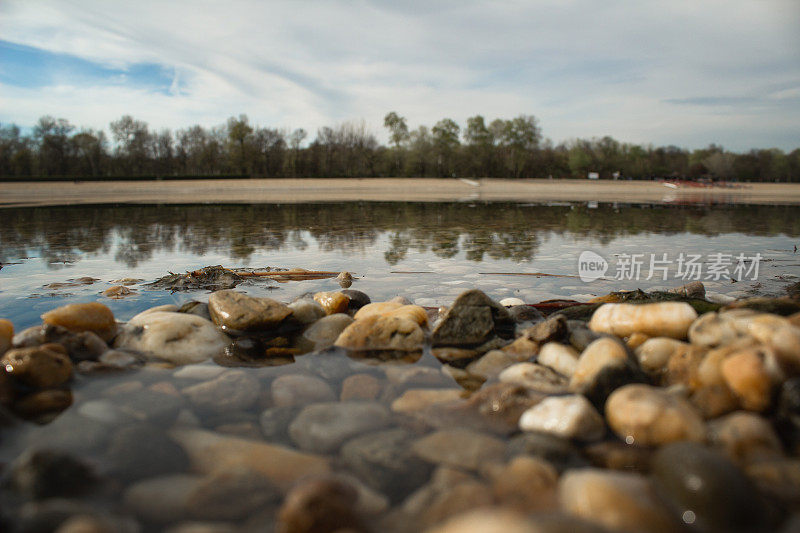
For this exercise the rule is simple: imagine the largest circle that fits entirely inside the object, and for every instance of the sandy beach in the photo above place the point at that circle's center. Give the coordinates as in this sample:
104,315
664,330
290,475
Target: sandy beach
383,189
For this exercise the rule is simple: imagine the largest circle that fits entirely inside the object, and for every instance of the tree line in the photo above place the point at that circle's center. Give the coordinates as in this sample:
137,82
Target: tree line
502,148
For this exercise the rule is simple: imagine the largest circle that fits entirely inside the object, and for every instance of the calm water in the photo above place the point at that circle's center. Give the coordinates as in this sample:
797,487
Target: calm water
447,246
426,252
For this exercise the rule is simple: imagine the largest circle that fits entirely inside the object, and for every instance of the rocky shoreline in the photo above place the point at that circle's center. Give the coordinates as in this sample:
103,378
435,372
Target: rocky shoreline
333,412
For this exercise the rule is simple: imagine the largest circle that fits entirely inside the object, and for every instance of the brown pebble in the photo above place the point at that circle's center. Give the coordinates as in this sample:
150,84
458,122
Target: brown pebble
333,302
40,366
43,402
748,379
6,335
360,387
93,316
319,505
118,291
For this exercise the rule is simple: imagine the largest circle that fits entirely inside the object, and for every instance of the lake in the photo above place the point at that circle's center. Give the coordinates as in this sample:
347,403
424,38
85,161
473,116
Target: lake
397,440
447,246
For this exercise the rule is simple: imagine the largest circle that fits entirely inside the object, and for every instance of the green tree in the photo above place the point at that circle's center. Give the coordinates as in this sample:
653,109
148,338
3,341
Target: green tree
239,134
445,139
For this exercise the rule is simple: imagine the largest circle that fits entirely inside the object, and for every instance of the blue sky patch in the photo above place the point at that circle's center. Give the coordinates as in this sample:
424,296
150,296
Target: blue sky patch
29,67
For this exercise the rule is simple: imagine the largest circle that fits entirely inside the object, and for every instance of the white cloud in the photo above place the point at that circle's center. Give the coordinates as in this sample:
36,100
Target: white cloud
624,68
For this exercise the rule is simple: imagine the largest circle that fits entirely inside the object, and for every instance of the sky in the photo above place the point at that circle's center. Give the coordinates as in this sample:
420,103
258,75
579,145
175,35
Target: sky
684,73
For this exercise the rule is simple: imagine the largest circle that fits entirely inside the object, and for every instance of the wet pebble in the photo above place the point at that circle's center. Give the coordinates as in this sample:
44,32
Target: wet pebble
142,451
324,332
322,504
306,311
93,316
560,357
233,390
6,335
706,490
323,427
41,366
299,389
358,299
360,387
384,460
527,484
460,448
535,377
664,319
554,329
649,416
240,312
176,337
571,417
745,437
619,501
332,302
382,333
490,365
472,319
43,473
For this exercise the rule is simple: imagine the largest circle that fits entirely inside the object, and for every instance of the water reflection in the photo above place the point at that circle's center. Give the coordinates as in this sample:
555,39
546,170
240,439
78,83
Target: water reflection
63,235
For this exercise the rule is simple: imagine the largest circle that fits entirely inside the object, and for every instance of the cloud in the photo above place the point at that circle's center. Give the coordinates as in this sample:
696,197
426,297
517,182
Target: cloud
642,72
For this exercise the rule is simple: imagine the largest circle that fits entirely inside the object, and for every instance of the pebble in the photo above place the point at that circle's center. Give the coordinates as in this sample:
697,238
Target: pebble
499,520
472,319
83,345
554,329
176,337
648,416
664,319
414,400
695,289
460,448
490,364
526,484
706,490
94,317
616,455
41,366
306,311
358,299
43,403
210,452
619,501
560,357
450,492
500,405
600,354
239,312
321,504
40,474
394,308
535,377
716,329
345,279
511,301
779,479
199,372
231,391
299,389
382,333
142,451
360,387
324,332
332,302
788,414
384,461
654,354
745,438
6,335
746,375
323,427
118,291
571,417
559,452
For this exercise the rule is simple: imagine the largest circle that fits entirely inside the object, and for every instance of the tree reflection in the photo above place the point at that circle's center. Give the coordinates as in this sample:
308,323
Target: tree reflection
497,230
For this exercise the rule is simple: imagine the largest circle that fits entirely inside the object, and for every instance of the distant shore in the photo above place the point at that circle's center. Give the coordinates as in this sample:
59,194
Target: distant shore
384,189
